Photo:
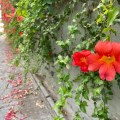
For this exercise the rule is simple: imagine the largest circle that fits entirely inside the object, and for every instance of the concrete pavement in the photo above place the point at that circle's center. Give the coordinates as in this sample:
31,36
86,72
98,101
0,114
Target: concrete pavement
27,103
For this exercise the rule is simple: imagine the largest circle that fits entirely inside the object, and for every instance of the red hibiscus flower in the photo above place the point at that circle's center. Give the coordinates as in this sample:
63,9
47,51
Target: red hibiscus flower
106,60
20,18
80,59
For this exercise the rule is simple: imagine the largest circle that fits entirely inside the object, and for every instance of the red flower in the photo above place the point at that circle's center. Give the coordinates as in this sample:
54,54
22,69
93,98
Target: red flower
21,33
20,18
106,60
7,15
80,59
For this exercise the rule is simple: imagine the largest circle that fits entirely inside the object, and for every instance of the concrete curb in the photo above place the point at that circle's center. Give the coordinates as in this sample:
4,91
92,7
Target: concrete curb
68,113
38,86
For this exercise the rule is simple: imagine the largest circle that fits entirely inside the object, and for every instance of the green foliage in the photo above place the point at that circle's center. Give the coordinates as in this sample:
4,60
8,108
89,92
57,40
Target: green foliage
77,116
112,14
41,26
58,118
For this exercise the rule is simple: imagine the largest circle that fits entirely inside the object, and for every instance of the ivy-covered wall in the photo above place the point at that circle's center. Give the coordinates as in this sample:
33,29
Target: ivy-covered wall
71,44
49,72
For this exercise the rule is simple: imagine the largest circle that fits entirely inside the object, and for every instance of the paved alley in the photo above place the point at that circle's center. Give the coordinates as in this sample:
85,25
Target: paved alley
18,102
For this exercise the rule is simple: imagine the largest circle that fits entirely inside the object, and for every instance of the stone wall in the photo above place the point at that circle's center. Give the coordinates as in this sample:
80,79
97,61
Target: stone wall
50,80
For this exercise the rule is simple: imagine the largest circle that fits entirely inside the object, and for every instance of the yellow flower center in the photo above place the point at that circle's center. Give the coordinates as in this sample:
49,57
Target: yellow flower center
83,59
108,59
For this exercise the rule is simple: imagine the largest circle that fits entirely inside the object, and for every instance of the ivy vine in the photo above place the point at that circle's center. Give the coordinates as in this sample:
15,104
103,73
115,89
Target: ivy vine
41,25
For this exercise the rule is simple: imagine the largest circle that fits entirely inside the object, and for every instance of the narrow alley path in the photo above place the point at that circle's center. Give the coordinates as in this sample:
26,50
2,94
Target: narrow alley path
18,102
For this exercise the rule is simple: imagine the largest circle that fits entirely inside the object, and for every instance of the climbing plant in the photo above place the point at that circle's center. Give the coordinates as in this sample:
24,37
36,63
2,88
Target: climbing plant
34,25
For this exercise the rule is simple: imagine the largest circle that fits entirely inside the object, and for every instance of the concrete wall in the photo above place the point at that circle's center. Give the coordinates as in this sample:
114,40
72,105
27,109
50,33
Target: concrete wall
50,79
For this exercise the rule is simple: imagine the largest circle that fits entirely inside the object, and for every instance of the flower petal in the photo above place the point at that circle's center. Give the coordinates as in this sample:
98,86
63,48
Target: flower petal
93,58
80,59
76,58
116,48
117,66
85,53
84,68
107,71
94,67
93,62
103,48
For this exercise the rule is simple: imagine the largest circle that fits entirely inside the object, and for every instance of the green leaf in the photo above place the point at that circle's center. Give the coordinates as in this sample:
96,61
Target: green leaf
83,109
100,19
49,1
60,57
58,118
97,91
86,94
77,116
112,14
84,103
106,29
83,106
113,31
